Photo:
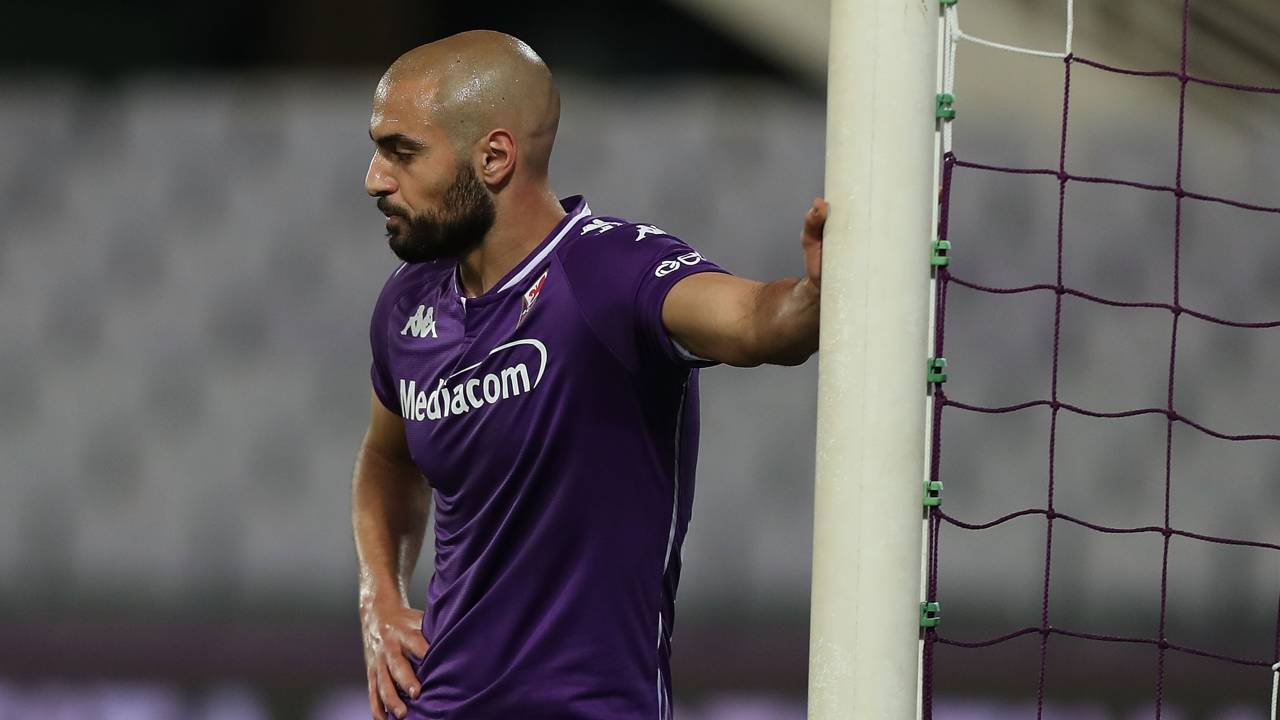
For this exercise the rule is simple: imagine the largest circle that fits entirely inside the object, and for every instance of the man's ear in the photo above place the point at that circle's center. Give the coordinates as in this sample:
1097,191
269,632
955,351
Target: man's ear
498,161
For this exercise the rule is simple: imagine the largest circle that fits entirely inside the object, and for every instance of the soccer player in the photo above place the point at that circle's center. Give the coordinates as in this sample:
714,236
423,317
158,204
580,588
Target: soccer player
535,370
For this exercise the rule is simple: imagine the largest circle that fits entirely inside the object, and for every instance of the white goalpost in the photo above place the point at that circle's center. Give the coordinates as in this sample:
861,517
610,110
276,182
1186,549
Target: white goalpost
871,444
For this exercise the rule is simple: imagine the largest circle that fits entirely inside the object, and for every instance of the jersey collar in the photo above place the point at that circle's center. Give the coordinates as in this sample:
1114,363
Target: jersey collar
576,210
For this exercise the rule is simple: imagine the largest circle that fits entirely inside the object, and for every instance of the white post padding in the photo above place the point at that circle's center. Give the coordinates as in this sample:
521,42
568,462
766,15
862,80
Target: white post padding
864,620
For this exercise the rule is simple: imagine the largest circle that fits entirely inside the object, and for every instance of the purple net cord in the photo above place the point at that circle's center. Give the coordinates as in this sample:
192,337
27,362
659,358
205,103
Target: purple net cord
936,517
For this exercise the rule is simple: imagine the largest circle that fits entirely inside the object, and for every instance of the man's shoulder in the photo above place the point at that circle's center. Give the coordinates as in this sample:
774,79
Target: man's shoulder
613,257
603,237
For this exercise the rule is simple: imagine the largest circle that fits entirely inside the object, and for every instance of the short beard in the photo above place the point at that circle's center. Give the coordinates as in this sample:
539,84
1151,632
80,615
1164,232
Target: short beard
466,216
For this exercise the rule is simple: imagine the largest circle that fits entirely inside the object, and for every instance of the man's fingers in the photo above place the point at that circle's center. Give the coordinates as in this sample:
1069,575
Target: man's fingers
815,219
403,674
375,703
414,641
387,691
417,647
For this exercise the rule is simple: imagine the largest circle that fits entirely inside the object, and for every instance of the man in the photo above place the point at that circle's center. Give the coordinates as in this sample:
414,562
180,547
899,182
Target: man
534,367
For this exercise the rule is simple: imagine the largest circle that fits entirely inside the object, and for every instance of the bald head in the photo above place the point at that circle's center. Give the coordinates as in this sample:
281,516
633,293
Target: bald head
470,84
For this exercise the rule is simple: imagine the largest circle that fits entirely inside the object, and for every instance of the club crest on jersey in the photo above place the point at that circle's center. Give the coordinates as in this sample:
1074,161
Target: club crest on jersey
530,296
422,323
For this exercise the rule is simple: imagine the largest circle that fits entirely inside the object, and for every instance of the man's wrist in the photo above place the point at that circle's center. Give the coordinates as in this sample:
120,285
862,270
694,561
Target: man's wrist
375,590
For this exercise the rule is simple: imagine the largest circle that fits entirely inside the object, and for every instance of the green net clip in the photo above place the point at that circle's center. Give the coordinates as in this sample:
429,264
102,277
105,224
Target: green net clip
933,493
937,368
945,112
941,250
945,3
930,614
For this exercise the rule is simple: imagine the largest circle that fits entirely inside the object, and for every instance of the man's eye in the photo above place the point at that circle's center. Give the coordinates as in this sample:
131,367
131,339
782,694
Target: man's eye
403,156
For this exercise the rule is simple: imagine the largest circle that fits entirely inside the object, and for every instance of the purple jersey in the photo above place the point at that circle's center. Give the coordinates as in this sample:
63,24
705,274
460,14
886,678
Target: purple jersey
557,423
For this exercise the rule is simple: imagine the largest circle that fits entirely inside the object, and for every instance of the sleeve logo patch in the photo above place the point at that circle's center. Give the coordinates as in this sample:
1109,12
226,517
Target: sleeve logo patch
666,267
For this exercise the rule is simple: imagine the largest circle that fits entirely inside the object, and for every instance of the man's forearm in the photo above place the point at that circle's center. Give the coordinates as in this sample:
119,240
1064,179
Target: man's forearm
786,322
390,503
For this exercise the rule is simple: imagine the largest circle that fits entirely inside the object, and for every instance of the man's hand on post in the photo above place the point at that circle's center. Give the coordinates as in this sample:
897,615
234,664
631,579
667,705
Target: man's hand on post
811,241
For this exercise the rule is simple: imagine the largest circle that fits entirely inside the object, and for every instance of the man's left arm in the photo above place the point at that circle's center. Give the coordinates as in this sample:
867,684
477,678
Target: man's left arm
746,323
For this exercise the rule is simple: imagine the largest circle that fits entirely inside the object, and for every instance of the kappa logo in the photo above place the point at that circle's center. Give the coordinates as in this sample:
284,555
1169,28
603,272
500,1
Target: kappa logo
598,225
422,323
643,230
530,296
666,267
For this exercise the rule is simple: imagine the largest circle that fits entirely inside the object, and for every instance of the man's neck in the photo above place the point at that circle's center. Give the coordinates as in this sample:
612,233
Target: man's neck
516,231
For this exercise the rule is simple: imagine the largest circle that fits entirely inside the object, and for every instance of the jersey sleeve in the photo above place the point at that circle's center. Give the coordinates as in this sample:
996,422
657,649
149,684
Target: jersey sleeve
675,262
621,278
379,345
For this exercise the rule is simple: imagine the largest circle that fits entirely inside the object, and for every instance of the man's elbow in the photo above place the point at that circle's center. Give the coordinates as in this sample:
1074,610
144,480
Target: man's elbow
793,356
756,354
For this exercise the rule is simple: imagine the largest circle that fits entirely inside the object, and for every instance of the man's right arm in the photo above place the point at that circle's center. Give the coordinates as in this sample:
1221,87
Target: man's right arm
390,502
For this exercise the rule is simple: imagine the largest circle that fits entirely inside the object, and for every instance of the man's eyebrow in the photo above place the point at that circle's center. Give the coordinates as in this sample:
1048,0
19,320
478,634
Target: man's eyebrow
393,139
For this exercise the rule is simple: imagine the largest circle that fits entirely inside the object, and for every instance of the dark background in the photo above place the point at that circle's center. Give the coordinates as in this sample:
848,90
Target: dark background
609,41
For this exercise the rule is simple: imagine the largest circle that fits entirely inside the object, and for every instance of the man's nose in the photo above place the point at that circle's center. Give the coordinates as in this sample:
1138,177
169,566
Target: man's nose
378,182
